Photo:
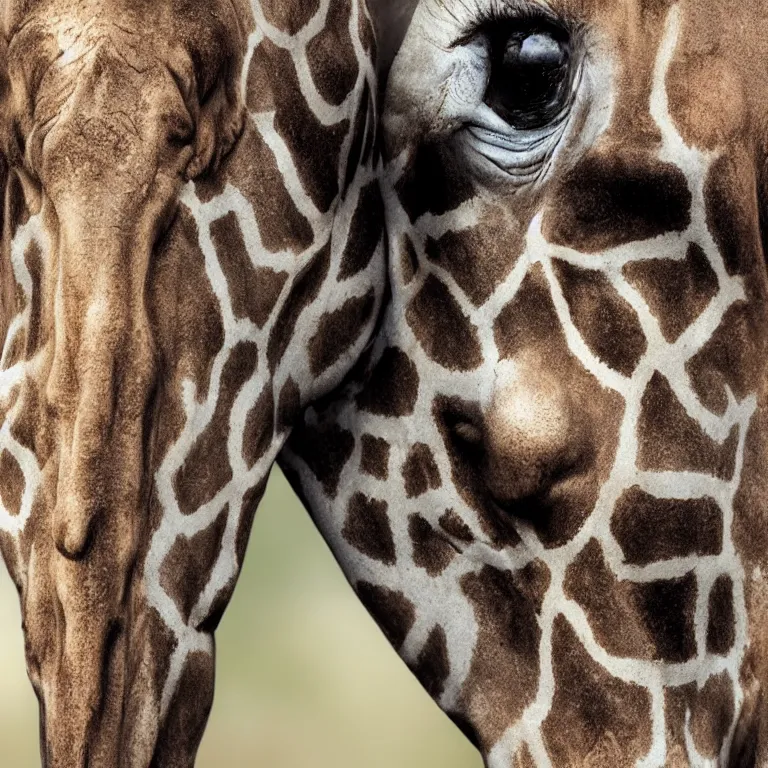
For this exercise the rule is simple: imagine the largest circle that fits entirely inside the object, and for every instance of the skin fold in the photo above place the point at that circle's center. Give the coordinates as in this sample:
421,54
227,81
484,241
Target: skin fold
191,253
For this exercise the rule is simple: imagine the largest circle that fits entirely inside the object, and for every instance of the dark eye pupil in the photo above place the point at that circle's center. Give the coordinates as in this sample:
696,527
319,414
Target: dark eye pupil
529,78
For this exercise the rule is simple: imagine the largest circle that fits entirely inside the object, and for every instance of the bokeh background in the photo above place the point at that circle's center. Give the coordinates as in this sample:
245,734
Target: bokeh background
305,679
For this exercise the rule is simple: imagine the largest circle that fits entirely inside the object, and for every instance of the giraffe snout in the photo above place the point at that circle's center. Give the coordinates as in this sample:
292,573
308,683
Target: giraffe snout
533,437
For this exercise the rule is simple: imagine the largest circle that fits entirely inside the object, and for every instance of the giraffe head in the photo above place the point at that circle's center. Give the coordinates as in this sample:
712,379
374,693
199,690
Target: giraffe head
185,264
553,489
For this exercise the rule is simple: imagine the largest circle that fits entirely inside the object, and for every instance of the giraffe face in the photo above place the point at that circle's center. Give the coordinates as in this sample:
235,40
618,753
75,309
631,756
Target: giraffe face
169,304
553,501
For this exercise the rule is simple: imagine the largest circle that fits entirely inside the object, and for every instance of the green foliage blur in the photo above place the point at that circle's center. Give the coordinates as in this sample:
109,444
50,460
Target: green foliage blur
305,679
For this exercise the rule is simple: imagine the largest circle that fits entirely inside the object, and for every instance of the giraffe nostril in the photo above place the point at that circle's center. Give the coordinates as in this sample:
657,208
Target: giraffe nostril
468,434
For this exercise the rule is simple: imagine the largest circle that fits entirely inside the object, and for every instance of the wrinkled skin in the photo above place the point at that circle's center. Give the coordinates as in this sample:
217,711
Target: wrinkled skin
553,489
144,394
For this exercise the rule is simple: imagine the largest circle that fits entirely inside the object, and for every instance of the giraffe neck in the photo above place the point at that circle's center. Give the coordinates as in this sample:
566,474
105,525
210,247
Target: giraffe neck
261,294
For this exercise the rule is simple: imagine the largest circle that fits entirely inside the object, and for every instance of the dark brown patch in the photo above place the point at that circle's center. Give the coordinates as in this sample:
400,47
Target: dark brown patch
254,291
33,258
617,197
314,147
391,610
183,727
431,550
669,439
392,387
608,324
290,15
368,530
251,502
712,714
528,318
259,427
12,483
676,292
454,526
331,56
409,259
479,258
650,530
432,666
187,569
504,673
732,357
668,611
365,232
430,183
206,470
339,330
374,456
728,191
304,291
288,406
186,316
653,621
445,333
252,169
721,629
420,472
590,709
325,449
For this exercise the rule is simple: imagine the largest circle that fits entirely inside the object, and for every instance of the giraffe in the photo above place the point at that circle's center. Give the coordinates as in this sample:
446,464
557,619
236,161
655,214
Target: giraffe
192,252
548,483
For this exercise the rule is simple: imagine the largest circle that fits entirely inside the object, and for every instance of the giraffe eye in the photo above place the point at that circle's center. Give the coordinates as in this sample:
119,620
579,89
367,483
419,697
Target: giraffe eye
529,86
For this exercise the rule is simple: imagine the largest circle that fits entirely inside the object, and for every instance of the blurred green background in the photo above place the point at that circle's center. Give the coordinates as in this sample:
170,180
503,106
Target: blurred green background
305,679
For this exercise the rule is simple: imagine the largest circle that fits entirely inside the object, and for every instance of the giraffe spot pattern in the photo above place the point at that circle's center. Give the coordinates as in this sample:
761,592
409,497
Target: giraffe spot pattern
300,128
33,258
657,618
504,672
288,406
259,427
670,440
331,56
374,456
304,291
409,259
728,192
590,706
730,358
607,323
612,199
391,610
289,16
500,242
454,526
195,558
254,291
188,712
252,168
651,530
339,330
428,185
207,470
362,136
721,628
676,292
12,487
420,472
431,550
432,666
712,714
368,530
365,232
325,449
445,333
392,387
